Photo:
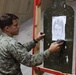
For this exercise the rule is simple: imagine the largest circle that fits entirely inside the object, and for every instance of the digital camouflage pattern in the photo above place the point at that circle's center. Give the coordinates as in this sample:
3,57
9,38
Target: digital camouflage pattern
12,53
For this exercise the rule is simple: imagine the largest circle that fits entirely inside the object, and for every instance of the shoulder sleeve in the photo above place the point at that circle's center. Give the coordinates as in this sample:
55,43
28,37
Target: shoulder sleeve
20,53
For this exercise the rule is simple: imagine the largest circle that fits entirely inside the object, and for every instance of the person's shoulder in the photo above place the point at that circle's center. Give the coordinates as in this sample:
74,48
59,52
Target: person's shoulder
11,40
7,40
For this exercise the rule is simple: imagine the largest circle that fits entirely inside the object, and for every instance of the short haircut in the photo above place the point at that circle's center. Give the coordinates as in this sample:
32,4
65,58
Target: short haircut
6,20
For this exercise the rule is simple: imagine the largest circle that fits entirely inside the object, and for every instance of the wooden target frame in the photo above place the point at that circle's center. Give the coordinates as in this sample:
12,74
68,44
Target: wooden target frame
36,29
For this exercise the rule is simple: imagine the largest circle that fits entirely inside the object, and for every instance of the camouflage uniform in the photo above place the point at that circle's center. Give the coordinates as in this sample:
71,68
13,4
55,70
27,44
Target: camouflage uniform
12,53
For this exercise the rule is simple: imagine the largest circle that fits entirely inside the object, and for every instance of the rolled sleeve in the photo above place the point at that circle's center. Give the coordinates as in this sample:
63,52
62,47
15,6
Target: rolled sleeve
46,53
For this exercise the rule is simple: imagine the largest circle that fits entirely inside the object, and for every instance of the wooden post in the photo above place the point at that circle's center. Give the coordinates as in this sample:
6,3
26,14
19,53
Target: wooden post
36,28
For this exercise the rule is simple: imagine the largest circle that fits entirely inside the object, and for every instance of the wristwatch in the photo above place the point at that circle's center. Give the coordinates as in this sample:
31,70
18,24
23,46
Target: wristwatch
35,41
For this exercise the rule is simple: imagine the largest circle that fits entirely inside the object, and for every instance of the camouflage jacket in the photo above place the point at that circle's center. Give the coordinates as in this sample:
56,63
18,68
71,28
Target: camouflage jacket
12,53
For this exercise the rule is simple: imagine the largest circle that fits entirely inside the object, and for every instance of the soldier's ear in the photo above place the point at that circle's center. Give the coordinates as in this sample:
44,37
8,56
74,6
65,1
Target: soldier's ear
7,28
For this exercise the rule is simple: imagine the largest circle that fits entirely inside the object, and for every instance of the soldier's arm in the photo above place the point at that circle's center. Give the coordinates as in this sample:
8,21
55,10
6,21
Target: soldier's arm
30,45
20,53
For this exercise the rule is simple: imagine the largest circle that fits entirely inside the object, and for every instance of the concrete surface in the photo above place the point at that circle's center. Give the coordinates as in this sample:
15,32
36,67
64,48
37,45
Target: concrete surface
22,8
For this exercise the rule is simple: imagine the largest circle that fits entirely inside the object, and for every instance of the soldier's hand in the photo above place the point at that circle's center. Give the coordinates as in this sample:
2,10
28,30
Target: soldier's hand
55,47
40,36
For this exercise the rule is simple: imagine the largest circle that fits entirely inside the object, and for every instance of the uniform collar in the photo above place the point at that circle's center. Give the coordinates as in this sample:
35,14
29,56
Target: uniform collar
4,34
